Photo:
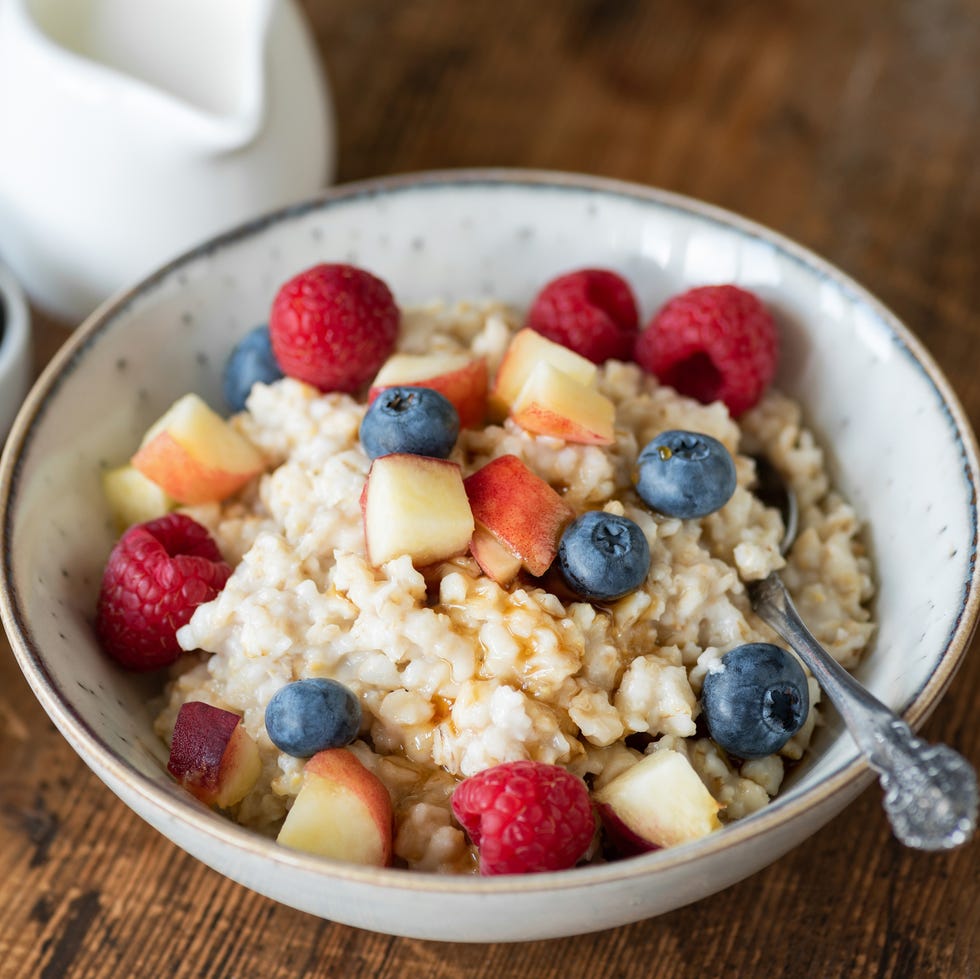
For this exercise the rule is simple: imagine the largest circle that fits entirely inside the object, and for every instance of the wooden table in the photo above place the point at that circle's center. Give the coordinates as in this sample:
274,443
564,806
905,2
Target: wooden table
851,127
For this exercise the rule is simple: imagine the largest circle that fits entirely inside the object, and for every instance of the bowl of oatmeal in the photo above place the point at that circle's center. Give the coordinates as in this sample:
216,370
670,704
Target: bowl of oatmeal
460,663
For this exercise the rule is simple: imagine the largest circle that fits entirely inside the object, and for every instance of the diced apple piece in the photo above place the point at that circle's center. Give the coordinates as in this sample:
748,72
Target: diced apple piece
495,560
195,456
520,510
660,801
554,403
133,498
415,505
343,811
525,352
461,378
212,755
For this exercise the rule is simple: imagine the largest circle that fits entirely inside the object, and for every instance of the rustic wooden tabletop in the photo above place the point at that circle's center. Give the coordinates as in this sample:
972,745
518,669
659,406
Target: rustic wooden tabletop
851,127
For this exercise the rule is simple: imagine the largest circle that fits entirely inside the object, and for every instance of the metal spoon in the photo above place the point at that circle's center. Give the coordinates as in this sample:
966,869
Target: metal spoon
930,790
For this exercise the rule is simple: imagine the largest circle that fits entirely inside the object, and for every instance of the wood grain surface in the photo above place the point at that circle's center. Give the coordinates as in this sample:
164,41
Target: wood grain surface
853,127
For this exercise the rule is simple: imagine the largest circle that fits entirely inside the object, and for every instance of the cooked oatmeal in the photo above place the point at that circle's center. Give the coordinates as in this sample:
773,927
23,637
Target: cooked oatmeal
456,673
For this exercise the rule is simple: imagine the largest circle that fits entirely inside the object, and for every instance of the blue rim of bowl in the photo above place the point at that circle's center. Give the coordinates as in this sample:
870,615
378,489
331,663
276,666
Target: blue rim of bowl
850,777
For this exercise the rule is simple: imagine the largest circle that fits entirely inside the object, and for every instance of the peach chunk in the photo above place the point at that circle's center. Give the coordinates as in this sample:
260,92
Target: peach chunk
495,560
660,801
195,456
520,510
552,402
342,811
212,755
415,505
461,378
133,498
526,350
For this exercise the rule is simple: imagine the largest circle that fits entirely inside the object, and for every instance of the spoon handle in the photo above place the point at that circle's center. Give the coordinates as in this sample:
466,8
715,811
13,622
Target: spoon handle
930,790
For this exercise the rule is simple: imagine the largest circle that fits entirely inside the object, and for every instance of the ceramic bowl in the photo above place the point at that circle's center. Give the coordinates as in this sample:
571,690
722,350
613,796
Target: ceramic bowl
15,349
901,450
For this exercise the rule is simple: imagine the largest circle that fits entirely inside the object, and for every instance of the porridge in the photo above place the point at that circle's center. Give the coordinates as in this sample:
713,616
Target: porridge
457,673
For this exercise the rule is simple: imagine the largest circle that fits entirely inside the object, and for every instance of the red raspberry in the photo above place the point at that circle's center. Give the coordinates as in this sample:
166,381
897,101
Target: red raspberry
591,311
713,343
333,326
157,574
525,817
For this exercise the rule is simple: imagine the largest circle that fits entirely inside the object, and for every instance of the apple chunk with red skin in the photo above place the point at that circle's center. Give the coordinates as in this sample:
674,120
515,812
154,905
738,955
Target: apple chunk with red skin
342,811
461,378
195,456
519,510
212,755
415,505
526,350
552,402
658,802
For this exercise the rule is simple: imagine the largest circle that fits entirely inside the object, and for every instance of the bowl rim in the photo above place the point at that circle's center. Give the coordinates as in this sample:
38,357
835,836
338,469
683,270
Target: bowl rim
219,830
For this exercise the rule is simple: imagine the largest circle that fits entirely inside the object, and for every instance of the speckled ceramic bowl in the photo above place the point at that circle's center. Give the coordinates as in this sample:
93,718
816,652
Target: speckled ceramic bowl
903,453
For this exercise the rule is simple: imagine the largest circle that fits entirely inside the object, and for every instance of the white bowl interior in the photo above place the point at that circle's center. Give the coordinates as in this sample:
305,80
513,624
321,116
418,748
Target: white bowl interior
891,427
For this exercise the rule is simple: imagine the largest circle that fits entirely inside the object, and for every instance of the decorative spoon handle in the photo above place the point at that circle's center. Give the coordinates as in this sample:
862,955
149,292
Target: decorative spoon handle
930,790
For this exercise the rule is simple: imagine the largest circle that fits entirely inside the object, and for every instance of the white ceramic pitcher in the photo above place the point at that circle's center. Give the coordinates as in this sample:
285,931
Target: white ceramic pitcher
132,129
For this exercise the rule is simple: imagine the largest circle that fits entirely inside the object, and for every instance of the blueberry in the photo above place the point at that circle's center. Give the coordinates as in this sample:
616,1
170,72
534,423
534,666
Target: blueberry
252,360
310,715
410,419
757,701
685,474
603,557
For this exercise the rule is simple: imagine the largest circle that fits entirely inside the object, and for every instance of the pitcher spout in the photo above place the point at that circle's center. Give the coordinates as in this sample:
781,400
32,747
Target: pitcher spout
180,118
197,69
